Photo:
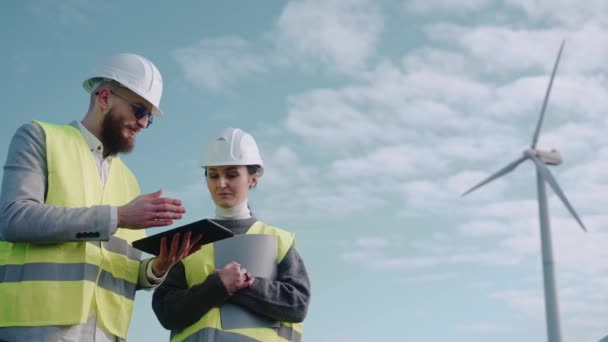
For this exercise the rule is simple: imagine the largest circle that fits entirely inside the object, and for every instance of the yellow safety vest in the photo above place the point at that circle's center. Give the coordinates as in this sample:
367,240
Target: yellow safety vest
200,265
56,284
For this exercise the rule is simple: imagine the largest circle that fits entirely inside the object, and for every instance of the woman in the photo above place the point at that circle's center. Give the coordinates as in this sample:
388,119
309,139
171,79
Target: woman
191,299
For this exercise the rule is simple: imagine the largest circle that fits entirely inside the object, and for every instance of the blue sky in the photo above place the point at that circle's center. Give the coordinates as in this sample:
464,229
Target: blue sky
372,118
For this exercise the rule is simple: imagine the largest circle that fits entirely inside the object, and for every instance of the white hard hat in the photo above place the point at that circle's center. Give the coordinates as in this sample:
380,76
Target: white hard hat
232,147
135,72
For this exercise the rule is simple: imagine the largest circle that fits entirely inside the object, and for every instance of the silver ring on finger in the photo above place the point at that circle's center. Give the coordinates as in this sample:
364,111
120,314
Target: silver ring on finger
158,215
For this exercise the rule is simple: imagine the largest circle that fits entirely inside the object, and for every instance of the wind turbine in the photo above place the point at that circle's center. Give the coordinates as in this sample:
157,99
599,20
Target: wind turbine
540,158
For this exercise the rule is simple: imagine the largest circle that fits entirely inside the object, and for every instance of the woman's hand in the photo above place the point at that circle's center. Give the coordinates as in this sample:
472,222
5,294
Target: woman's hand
235,277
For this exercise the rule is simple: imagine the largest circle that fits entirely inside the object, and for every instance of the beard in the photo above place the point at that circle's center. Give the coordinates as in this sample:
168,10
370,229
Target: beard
111,132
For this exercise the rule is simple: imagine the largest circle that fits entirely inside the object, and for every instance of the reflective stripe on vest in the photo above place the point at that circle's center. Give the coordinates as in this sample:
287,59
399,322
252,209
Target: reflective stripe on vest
67,272
56,284
217,335
208,328
120,246
48,272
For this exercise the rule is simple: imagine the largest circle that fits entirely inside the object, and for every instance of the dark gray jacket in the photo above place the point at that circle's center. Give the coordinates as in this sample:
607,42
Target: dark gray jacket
285,299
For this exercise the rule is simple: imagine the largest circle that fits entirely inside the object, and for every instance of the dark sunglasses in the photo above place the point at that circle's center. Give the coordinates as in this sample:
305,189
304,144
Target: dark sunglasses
139,110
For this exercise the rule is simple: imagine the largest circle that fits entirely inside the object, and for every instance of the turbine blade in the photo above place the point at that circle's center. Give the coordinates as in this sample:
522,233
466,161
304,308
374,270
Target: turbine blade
544,107
499,173
548,177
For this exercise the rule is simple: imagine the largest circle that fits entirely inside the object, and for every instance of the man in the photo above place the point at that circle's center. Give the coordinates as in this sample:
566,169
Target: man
69,210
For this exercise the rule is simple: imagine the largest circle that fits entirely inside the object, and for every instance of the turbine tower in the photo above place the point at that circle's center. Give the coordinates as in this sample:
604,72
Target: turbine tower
543,175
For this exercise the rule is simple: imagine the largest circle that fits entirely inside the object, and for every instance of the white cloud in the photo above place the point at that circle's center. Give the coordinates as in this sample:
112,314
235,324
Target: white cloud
584,321
299,200
325,118
483,258
397,161
292,189
579,258
396,106
576,251
523,245
283,169
341,33
371,242
446,6
483,228
443,195
499,50
506,210
566,103
530,303
587,174
432,59
478,285
483,328
456,90
426,195
434,254
501,47
561,11
402,263
218,62
428,277
355,117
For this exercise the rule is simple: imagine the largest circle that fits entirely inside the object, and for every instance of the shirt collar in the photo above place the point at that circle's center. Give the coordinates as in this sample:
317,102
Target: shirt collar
95,145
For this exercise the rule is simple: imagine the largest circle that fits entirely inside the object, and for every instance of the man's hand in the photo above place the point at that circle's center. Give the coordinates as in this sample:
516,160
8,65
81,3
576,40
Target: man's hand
235,277
167,258
150,210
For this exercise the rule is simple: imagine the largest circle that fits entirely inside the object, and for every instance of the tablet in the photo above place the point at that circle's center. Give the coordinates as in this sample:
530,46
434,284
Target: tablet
211,231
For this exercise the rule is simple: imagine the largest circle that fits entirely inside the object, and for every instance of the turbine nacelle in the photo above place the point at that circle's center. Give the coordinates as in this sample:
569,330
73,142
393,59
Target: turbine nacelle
552,157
